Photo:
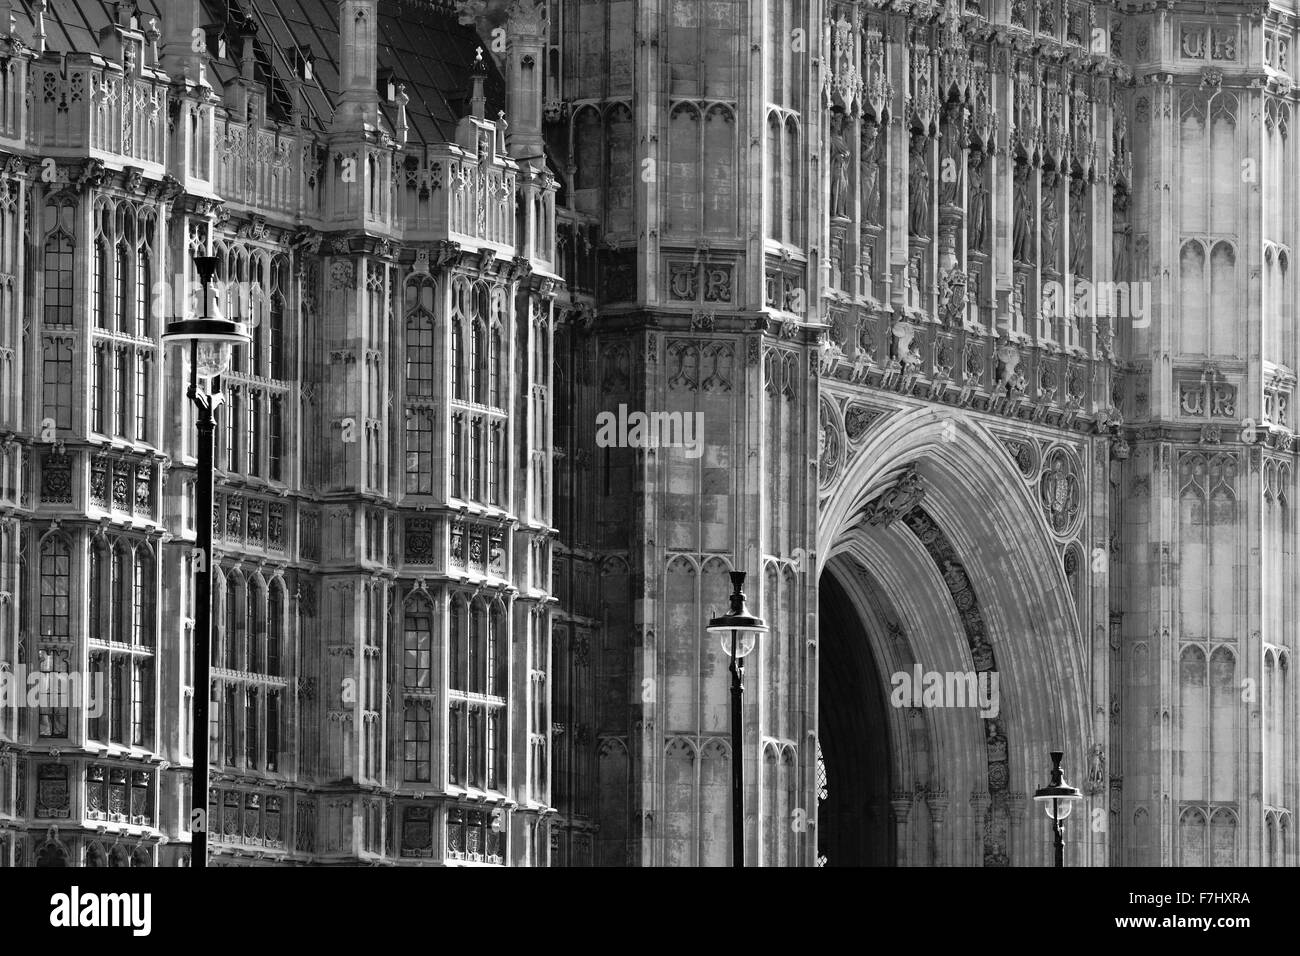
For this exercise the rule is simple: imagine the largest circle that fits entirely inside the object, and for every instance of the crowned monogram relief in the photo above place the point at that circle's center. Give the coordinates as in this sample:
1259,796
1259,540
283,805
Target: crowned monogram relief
1061,491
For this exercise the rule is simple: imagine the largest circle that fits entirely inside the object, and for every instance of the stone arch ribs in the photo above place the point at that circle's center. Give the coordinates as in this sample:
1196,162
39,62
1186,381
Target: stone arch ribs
980,515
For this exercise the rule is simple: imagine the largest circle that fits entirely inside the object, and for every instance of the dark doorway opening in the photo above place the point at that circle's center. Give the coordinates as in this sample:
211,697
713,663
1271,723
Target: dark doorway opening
854,827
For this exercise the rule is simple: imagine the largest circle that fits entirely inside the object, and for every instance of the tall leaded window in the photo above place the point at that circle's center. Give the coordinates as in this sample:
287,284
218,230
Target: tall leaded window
457,372
272,731
475,755
253,629
256,350
275,440
476,459
417,665
419,451
498,652
143,599
457,456
101,304
233,629
55,699
419,354
497,369
417,741
230,719
99,720
474,365
255,433
122,279
96,598
276,334
250,728
456,644
456,742
234,430
58,249
120,589
121,389
122,633
479,357
141,396
495,464
143,281
118,699
215,717
477,648
98,388
55,569
417,688
274,631
141,702
56,384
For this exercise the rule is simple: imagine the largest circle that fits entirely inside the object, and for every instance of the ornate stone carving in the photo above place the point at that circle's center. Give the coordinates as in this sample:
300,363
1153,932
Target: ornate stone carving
905,495
858,419
830,445
1060,491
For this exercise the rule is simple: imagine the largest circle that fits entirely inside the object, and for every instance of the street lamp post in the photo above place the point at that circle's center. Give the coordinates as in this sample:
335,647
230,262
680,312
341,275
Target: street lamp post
1057,799
739,630
211,340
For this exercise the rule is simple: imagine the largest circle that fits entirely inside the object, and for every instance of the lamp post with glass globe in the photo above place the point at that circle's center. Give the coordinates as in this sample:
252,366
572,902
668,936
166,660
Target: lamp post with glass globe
211,340
739,631
1057,799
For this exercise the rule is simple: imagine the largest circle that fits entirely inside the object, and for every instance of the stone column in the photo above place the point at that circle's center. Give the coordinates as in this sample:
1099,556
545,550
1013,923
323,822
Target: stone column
979,808
900,804
1018,851
940,852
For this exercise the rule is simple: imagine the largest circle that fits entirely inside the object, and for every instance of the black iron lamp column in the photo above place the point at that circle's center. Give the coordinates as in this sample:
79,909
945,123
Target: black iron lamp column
211,340
1057,799
739,631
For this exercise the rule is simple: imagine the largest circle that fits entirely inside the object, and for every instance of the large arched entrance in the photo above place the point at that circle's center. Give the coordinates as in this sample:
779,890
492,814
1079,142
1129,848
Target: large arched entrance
937,573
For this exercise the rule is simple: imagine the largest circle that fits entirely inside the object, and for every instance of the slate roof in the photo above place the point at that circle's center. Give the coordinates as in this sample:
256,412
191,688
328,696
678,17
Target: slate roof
421,41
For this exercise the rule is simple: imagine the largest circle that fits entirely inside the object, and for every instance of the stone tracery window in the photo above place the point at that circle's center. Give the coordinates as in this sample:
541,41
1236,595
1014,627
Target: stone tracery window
478,659
60,221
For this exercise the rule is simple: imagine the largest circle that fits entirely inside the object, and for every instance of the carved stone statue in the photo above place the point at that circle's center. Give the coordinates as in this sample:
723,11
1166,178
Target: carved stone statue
906,494
977,201
870,172
840,156
1096,769
1079,258
1051,219
919,185
1121,236
950,167
1022,234
1008,358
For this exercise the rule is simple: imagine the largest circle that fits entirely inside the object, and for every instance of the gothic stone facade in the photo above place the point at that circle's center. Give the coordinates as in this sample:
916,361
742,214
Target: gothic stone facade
856,241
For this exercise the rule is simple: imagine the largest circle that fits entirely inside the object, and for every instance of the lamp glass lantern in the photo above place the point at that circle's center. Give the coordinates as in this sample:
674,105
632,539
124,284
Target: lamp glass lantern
1058,798
212,338
737,628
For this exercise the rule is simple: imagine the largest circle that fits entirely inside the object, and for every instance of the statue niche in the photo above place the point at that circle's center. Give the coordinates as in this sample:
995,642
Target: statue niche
1022,233
869,173
840,156
919,184
978,201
